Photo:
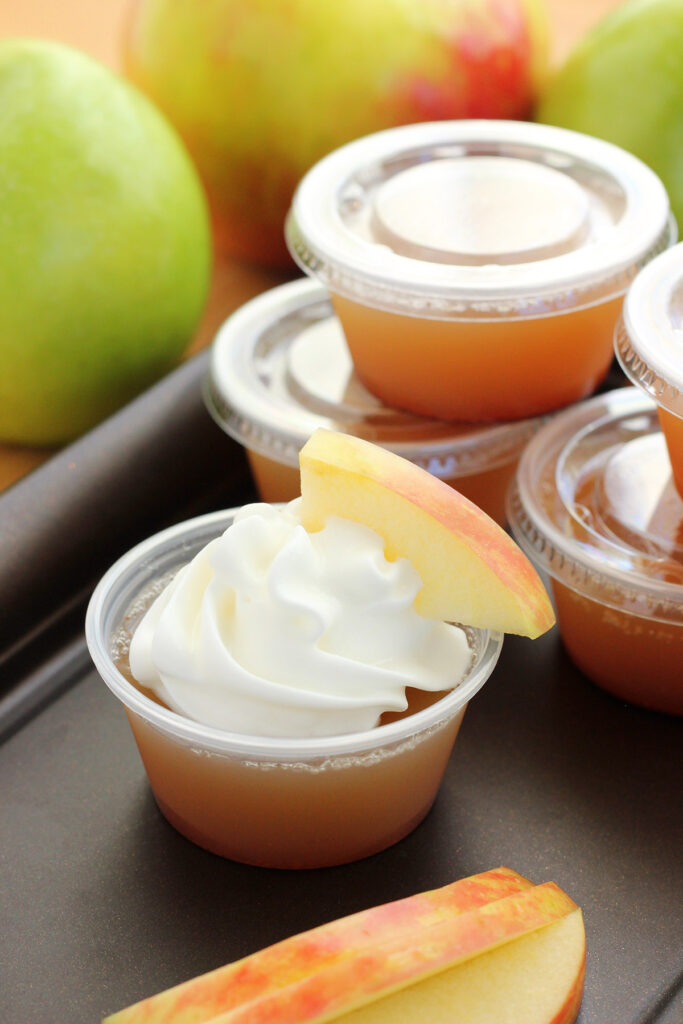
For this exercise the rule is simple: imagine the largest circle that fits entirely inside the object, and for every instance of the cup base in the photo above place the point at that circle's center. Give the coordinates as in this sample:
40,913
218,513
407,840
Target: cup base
635,659
295,858
296,814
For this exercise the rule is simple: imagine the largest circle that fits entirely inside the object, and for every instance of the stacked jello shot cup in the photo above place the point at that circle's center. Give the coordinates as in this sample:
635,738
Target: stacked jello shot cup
468,279
478,267
598,502
281,368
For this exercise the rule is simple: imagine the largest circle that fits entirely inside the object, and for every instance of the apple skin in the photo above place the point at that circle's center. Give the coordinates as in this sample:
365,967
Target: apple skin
105,255
351,960
202,998
382,969
262,89
624,83
472,571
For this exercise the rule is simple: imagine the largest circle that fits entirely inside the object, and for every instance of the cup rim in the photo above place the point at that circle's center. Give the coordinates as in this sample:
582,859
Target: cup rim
348,265
113,586
594,570
646,339
269,416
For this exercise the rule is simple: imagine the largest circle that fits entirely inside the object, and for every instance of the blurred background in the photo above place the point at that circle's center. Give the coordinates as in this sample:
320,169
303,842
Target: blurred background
98,28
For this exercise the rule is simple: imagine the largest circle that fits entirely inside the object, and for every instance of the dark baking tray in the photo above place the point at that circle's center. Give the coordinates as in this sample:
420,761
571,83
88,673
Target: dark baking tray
102,902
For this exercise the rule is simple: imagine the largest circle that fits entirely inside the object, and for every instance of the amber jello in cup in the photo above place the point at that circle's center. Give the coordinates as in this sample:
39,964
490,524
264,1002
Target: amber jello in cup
278,802
594,505
280,368
478,267
649,345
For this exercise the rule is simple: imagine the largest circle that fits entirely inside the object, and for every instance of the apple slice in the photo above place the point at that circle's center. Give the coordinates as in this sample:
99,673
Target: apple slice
472,571
536,979
268,970
381,969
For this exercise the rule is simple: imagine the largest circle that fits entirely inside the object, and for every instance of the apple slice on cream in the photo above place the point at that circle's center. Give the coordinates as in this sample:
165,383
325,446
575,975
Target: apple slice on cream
472,571
287,962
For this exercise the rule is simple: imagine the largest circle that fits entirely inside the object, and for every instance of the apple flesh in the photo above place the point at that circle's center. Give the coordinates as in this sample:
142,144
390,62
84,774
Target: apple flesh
471,570
624,83
105,256
288,961
260,90
535,979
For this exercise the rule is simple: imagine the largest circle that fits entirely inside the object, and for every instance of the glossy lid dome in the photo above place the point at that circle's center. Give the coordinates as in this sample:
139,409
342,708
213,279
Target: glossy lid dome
594,505
478,218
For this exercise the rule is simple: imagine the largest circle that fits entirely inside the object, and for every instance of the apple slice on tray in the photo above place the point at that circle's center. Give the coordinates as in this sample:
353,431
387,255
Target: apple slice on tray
489,949
288,961
472,572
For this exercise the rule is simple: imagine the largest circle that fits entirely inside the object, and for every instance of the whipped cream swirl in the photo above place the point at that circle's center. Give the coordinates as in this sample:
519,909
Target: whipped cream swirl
273,631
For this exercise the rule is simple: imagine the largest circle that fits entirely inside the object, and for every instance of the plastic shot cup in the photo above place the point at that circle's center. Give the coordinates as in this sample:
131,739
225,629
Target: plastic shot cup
478,267
594,505
283,803
649,345
280,368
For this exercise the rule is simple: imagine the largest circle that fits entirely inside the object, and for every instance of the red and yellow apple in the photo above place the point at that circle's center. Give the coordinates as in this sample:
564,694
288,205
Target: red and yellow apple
262,89
469,945
472,571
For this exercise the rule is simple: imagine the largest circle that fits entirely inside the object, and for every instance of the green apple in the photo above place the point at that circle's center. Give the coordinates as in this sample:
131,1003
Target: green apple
104,243
262,89
624,83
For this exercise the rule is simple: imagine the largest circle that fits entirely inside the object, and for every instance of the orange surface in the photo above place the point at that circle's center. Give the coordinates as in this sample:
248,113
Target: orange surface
479,371
96,28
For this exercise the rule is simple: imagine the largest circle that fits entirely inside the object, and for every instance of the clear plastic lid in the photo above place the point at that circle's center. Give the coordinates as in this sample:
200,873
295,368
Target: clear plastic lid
594,505
493,219
280,368
649,337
